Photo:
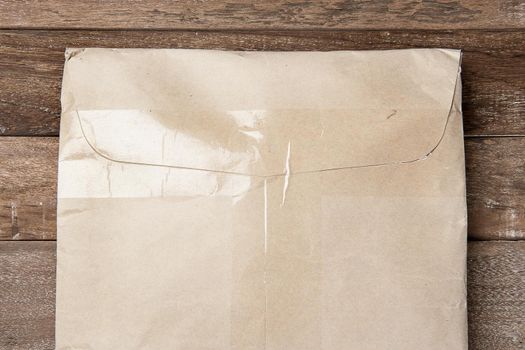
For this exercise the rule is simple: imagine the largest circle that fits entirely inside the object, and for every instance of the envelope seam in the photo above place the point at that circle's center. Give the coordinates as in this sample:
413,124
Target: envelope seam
285,172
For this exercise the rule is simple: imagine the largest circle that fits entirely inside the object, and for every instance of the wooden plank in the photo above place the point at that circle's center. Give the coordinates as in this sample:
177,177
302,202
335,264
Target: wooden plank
495,187
496,295
27,297
493,67
28,172
289,14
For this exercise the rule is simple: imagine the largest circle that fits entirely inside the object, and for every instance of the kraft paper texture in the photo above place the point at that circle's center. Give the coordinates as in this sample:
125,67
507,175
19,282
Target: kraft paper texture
261,200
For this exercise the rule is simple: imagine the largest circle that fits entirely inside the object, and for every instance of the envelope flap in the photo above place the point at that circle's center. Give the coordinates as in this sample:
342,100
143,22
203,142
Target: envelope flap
325,111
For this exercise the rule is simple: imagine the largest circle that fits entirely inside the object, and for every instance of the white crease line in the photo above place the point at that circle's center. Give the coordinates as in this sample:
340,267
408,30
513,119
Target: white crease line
286,173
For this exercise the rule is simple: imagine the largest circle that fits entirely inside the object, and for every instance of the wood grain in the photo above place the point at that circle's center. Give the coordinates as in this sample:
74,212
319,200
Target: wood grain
282,14
495,187
28,172
496,295
493,67
27,298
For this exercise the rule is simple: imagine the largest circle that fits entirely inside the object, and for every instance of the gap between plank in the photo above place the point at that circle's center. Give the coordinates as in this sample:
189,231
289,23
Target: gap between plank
234,30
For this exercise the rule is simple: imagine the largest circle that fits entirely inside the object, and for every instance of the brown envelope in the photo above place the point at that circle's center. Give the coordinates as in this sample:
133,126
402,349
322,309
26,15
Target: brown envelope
261,200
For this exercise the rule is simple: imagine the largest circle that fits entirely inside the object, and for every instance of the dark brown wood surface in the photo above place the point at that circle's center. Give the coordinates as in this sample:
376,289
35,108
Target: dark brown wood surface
28,178
34,34
253,14
495,187
493,67
27,295
496,295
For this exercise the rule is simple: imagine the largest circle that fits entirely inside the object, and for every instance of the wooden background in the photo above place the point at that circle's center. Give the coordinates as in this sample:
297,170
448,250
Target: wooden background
34,34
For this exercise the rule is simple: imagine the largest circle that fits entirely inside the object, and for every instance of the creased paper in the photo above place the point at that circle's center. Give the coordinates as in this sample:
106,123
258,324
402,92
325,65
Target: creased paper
261,200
